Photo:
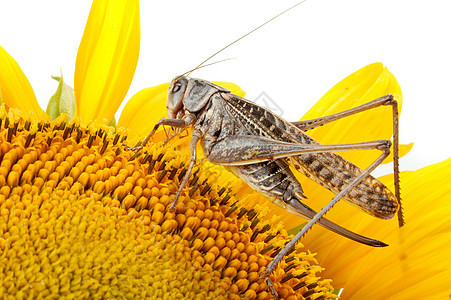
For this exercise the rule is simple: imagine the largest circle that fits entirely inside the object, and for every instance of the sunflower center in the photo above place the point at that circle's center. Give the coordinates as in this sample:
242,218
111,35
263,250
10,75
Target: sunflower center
81,217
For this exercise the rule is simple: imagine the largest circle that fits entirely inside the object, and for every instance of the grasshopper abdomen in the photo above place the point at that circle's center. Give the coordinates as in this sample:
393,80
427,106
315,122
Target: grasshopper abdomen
326,168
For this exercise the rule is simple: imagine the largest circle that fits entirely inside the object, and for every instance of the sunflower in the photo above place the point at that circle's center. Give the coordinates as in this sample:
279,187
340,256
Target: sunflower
80,217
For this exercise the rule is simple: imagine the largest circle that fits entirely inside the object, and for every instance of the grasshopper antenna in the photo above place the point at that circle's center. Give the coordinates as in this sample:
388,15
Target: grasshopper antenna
203,66
245,35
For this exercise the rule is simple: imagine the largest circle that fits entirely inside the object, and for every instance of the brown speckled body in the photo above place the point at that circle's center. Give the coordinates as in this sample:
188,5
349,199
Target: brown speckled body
261,147
227,115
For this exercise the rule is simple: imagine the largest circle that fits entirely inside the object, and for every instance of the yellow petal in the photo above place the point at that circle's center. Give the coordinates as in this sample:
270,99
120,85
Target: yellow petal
417,253
403,150
146,107
364,85
232,87
15,88
417,263
107,58
143,110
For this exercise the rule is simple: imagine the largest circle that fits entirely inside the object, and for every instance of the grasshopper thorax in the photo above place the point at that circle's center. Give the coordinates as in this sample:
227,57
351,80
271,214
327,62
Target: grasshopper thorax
189,94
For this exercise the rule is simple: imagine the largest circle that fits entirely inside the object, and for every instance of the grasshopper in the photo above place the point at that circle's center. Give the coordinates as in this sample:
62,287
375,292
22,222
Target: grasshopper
259,147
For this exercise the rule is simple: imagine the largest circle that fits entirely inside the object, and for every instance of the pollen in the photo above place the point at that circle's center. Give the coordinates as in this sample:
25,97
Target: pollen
81,217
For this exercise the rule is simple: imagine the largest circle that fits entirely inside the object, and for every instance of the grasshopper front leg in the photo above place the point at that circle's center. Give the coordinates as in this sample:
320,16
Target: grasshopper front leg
178,123
196,135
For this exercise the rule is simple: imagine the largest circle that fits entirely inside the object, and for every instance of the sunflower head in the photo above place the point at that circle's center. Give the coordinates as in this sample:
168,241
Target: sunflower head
82,217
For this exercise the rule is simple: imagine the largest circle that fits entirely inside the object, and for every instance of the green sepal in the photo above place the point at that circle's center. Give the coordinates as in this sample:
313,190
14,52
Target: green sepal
63,101
113,123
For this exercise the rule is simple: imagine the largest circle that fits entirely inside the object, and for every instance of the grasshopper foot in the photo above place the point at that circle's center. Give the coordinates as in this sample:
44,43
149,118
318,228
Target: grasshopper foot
271,288
173,205
265,274
136,148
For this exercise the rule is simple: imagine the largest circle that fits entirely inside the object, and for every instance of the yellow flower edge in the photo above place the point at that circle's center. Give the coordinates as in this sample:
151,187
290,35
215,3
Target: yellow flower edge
417,262
107,59
80,217
15,89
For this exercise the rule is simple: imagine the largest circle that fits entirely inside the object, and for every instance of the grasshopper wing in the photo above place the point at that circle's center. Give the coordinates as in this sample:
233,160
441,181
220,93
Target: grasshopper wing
326,168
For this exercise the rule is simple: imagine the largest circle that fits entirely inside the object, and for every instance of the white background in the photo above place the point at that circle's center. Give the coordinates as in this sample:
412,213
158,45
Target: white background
294,60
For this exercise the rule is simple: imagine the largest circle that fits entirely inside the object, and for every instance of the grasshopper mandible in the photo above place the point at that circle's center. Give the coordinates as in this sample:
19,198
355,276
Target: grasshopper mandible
259,147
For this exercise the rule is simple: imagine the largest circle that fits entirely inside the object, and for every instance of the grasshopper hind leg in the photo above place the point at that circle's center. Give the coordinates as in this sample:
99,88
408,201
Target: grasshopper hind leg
295,206
274,180
382,101
318,217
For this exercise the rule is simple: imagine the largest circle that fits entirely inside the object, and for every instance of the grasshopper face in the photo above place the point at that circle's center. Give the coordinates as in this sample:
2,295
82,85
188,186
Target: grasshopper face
189,95
176,94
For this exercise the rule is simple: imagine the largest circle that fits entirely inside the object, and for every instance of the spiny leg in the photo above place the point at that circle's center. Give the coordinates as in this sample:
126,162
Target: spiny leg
401,220
272,265
249,149
382,101
177,132
241,150
306,125
195,137
163,121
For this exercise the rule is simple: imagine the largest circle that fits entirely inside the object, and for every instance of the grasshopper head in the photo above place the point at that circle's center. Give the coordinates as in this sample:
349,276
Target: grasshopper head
190,94
176,93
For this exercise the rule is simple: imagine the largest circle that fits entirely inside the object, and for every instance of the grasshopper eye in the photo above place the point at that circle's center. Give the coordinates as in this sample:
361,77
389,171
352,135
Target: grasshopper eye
176,88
